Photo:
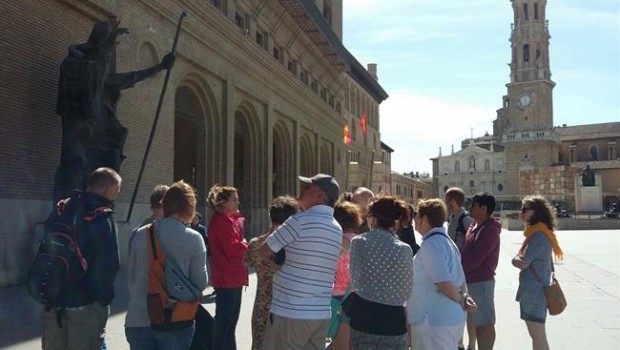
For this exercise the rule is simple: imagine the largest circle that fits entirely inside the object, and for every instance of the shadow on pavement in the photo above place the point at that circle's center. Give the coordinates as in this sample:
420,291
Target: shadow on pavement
21,316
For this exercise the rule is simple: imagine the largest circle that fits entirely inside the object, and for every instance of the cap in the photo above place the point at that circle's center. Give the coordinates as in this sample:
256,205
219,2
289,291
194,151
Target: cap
326,183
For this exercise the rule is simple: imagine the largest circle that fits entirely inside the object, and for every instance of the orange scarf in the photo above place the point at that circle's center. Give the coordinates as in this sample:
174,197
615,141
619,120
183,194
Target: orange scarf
541,227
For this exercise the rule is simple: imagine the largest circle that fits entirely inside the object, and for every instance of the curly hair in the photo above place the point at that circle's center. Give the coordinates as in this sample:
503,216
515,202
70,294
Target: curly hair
218,195
543,211
282,208
388,210
348,215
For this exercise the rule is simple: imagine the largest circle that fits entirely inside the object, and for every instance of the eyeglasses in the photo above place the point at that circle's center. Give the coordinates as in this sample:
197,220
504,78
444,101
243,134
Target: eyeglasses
524,209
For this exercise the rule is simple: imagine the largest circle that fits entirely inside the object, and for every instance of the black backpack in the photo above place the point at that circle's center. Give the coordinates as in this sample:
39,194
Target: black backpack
461,230
59,261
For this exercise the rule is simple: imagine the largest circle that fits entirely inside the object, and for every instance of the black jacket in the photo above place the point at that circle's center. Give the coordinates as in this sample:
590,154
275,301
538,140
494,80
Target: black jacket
97,238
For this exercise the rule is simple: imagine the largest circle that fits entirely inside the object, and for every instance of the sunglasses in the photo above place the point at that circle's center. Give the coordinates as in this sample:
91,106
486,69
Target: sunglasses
524,209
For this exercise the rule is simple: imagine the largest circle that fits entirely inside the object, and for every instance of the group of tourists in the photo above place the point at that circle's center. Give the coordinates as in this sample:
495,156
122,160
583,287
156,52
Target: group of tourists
341,266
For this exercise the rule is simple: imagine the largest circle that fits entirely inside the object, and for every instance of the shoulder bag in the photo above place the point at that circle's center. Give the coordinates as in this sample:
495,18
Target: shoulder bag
556,302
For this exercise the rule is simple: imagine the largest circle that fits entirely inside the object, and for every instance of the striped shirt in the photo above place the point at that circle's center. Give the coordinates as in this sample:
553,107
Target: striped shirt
302,288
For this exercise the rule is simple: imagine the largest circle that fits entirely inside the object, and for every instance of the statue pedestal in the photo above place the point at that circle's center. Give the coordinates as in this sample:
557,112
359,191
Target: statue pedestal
589,198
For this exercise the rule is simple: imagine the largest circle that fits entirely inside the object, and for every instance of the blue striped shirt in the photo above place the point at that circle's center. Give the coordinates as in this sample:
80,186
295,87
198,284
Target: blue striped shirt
302,288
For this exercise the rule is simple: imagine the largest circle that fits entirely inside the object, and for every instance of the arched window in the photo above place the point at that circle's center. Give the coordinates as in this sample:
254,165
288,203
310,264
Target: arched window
525,14
593,152
472,183
457,167
472,163
487,165
500,188
535,10
526,53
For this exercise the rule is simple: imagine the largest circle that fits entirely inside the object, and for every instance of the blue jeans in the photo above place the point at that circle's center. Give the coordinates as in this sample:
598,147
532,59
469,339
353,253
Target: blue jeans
227,308
145,338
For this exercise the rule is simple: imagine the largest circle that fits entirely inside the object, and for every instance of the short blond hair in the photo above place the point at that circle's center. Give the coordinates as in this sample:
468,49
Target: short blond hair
435,211
102,178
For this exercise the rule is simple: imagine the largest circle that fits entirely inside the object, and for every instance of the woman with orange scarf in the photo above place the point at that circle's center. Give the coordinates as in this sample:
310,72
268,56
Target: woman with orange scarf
535,255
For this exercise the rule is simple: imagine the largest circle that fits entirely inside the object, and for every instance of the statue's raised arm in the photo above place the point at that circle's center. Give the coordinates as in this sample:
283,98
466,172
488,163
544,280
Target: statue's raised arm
89,90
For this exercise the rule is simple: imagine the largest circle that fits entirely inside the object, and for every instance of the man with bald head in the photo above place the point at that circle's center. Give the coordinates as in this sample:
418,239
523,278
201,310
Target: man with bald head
362,197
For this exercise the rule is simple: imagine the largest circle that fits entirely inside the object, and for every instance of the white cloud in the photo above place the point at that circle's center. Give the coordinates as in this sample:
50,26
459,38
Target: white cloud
416,125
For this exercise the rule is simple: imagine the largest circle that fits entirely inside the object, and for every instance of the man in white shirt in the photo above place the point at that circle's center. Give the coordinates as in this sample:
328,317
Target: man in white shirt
301,302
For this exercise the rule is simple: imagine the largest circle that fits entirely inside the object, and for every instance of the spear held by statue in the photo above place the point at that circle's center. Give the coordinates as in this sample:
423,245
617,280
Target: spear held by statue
155,120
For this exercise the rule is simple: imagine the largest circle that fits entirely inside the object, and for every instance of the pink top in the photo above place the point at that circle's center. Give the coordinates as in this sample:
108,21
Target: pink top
342,269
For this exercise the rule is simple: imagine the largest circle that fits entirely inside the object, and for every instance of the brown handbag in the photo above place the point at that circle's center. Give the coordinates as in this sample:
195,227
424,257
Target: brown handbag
556,302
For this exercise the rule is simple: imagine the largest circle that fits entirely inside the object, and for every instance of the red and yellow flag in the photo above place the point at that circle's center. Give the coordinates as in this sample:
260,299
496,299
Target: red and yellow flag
346,137
363,123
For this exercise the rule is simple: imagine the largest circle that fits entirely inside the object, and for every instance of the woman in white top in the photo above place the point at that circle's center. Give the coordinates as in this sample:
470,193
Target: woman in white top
439,299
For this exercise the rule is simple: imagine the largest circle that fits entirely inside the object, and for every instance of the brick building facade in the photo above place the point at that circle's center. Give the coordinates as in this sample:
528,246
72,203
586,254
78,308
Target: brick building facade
259,94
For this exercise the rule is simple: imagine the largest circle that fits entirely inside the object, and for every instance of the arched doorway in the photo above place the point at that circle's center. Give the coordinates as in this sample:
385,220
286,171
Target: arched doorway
283,170
306,157
189,141
249,168
327,160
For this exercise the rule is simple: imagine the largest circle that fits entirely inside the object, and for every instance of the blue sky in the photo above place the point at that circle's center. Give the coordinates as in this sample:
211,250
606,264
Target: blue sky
445,66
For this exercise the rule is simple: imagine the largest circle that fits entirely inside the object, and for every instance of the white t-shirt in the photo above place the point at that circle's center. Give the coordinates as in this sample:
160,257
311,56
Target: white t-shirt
302,288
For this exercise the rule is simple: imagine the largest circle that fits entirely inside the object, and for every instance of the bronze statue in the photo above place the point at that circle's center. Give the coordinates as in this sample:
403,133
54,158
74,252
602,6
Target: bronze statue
587,177
88,93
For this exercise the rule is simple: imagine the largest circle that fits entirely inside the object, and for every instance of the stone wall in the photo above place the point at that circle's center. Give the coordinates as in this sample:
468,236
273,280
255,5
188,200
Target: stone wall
554,183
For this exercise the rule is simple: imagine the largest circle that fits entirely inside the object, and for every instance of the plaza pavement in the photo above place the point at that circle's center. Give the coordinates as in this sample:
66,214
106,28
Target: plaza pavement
589,275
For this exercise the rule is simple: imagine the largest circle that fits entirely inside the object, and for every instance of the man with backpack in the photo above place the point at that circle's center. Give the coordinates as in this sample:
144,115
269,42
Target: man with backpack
76,318
458,219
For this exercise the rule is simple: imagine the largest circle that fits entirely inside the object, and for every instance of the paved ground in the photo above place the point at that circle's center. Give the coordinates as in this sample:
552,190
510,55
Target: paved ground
590,277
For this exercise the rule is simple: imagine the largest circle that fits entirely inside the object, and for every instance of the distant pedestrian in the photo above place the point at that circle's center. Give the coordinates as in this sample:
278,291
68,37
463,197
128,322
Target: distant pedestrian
437,307
480,255
302,287
228,271
536,255
381,278
280,210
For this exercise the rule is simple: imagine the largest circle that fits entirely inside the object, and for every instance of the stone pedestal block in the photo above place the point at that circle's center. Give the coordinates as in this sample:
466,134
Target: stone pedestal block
589,199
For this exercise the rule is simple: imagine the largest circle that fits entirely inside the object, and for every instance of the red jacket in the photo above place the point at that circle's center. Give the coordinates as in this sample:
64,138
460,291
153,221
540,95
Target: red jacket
227,244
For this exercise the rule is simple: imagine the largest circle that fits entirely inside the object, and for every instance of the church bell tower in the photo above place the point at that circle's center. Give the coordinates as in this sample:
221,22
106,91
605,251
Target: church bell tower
524,124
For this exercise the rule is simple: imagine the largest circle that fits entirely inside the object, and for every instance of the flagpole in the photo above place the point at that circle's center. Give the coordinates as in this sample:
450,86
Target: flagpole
346,179
372,164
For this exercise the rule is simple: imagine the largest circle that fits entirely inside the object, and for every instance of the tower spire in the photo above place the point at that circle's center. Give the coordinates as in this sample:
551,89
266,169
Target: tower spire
530,41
